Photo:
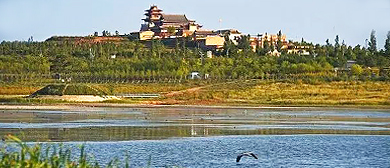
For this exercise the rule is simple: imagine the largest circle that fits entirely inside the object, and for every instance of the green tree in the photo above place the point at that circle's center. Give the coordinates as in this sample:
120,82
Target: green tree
356,69
387,44
267,47
372,42
171,30
244,42
229,48
336,42
61,63
284,67
327,42
279,43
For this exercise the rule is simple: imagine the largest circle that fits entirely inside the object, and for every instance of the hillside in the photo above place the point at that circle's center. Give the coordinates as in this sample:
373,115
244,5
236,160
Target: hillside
68,89
89,39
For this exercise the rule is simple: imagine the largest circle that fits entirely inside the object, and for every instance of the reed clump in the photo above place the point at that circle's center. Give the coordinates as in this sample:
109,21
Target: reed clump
36,157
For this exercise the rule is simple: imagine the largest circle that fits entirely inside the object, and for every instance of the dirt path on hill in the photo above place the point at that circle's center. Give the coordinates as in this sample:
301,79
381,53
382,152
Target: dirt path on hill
190,90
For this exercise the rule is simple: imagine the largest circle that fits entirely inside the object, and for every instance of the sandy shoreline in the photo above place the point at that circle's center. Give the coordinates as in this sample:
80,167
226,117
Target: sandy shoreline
114,105
75,106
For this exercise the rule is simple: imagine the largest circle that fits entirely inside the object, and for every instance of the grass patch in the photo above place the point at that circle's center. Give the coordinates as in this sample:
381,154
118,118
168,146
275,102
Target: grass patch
18,90
37,157
21,100
293,93
143,87
23,155
243,92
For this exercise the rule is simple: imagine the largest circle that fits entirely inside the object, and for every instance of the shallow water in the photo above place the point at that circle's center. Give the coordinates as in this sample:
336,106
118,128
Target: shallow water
121,124
209,137
273,151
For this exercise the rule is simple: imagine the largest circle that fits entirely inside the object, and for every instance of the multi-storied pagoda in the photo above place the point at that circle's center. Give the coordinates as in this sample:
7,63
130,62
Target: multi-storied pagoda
167,24
153,18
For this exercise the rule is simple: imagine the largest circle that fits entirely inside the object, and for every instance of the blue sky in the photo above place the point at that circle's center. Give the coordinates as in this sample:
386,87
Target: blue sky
314,20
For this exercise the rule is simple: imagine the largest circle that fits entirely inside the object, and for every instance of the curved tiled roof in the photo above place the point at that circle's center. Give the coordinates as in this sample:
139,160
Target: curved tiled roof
173,18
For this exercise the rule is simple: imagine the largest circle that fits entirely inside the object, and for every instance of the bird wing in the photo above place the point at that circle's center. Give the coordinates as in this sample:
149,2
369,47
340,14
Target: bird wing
238,158
252,154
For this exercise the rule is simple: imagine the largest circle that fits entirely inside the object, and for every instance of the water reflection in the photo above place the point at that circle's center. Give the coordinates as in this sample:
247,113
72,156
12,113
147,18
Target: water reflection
117,124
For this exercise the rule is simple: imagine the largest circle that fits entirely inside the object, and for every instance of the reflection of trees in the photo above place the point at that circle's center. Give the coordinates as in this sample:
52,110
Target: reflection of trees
99,133
141,133
54,134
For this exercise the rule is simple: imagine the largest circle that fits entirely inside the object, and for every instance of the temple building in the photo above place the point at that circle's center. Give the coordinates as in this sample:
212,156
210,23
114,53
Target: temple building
271,39
170,27
166,25
208,39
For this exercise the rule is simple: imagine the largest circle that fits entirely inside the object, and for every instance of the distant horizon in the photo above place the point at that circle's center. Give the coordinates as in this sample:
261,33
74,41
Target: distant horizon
352,20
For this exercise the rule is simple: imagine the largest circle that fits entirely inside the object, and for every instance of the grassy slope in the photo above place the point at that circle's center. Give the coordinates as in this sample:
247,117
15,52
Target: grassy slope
281,93
68,89
18,89
251,92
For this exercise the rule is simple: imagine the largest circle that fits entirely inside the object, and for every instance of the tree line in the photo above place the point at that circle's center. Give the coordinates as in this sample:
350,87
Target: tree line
134,60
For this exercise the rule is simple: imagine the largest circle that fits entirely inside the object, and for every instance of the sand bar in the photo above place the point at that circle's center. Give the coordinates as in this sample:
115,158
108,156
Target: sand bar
73,106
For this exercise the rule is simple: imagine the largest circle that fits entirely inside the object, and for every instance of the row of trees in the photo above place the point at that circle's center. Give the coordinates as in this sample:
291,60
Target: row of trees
336,54
134,59
106,33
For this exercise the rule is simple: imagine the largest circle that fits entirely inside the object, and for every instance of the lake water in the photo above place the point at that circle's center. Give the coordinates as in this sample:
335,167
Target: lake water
211,137
273,151
122,124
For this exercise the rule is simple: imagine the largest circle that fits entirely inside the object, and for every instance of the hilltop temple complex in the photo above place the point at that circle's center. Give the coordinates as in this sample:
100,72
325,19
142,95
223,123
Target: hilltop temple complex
164,25
170,27
158,25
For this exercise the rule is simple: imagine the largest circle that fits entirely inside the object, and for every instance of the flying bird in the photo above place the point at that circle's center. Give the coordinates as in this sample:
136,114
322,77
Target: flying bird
250,154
